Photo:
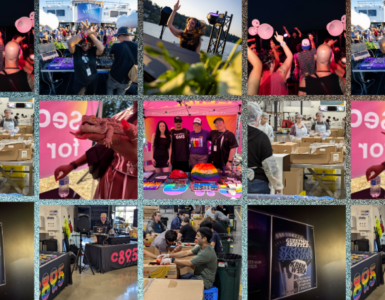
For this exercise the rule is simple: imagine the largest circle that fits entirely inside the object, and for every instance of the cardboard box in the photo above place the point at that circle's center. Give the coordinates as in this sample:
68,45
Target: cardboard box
22,129
21,154
307,141
304,157
326,149
183,270
293,182
335,140
157,271
337,132
29,130
283,147
197,223
5,136
148,211
133,233
283,161
27,136
13,147
152,250
167,289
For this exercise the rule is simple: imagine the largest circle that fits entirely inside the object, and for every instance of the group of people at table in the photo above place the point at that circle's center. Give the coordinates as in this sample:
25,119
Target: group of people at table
207,239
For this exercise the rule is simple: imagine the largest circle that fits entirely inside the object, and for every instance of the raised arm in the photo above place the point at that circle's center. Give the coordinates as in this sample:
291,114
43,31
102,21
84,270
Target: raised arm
299,32
312,41
287,32
285,67
255,75
173,30
276,55
152,149
94,39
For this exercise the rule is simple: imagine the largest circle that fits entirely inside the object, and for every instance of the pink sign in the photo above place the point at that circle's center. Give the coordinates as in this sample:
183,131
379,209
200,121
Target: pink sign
57,146
367,141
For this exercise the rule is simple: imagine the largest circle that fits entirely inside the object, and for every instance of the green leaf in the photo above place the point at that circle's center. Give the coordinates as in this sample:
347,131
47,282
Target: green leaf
229,82
174,85
152,52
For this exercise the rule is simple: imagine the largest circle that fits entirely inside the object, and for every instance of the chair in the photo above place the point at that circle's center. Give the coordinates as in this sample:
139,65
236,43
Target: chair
211,294
147,157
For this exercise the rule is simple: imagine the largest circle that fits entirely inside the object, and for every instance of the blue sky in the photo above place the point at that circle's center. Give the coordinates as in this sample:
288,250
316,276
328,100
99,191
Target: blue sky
200,8
133,3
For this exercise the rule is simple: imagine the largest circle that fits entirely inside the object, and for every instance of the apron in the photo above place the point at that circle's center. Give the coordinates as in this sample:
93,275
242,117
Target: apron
264,128
9,125
320,128
300,132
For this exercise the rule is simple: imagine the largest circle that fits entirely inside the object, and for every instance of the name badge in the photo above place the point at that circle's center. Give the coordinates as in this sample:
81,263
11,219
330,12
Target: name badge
88,72
215,148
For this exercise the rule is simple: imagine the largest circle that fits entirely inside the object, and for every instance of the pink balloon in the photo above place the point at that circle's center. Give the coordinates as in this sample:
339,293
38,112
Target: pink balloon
255,23
253,30
23,25
335,28
265,31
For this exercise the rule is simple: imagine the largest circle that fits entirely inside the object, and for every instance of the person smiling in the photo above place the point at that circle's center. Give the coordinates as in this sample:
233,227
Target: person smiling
190,37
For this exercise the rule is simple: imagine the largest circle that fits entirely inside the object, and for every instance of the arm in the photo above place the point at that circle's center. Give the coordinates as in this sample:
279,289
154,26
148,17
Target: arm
31,81
98,44
299,32
342,82
255,75
198,49
152,149
287,32
72,43
212,244
181,254
179,236
312,41
148,254
183,262
174,31
169,153
66,169
276,55
296,67
285,67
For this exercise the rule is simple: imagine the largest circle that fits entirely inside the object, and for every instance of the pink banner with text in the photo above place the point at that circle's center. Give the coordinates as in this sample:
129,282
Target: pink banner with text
57,145
367,140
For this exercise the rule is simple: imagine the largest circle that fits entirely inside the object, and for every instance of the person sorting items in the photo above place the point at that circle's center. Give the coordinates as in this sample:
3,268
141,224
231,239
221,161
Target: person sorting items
154,225
299,130
320,127
204,263
9,124
219,216
263,172
265,126
165,240
186,233
176,223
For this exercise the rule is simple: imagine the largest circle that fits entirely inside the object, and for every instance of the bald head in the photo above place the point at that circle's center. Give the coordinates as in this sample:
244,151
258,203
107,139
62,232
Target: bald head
323,54
11,52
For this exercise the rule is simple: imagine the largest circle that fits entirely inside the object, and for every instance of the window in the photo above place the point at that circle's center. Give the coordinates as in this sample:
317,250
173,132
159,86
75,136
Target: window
363,11
125,212
121,13
60,13
114,14
51,12
372,13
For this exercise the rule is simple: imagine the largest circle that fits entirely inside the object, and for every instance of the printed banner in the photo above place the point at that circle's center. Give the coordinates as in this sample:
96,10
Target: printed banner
54,276
89,11
367,140
293,260
57,145
366,275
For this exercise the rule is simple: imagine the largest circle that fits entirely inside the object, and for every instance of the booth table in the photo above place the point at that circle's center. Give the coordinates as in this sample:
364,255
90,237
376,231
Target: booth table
318,177
167,191
7,178
367,273
54,275
54,194
105,258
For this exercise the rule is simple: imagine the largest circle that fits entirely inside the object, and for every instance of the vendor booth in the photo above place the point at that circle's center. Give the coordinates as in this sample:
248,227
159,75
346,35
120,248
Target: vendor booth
311,164
204,179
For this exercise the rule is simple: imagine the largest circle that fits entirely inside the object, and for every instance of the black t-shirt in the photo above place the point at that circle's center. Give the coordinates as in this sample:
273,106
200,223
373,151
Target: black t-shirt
187,208
217,240
19,80
223,148
188,233
82,61
327,85
218,227
106,224
122,60
259,148
180,144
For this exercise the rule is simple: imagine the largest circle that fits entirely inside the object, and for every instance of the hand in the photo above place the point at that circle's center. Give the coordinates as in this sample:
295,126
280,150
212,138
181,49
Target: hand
272,44
228,165
377,170
153,162
284,27
166,261
278,37
296,28
168,163
331,42
176,6
162,256
19,39
278,192
310,37
65,170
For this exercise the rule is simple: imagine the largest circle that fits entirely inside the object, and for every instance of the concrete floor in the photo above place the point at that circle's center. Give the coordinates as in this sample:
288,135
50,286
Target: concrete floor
22,183
236,248
334,186
115,285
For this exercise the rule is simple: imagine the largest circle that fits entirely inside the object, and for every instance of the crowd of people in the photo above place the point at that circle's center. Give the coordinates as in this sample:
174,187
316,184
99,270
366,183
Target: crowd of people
183,149
297,62
16,65
372,34
216,219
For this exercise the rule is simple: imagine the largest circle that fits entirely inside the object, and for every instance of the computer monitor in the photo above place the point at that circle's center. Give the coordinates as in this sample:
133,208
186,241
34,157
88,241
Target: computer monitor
100,230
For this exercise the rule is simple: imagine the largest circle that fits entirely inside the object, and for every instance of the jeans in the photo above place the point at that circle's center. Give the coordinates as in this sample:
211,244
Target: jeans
188,276
198,159
116,88
81,89
258,186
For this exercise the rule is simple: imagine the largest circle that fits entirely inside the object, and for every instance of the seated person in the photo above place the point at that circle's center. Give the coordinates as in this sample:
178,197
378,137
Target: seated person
215,240
186,233
176,223
154,225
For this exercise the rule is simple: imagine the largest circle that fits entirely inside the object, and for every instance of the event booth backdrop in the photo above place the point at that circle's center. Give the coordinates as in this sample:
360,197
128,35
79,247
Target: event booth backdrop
367,140
57,145
207,111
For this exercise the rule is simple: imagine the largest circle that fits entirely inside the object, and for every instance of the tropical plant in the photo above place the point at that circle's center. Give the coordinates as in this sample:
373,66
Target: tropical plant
211,76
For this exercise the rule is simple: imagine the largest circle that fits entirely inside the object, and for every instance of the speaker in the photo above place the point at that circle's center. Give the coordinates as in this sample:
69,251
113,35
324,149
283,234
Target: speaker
82,218
2,261
164,15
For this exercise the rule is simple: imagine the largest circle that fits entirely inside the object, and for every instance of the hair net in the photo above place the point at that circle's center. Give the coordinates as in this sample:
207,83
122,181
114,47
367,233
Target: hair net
253,112
265,115
320,112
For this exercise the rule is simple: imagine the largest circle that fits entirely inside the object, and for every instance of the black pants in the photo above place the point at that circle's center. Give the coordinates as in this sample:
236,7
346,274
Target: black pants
181,165
81,89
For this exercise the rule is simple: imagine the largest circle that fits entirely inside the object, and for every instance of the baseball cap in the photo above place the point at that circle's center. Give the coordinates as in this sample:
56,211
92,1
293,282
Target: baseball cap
305,44
177,119
123,31
218,119
198,121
